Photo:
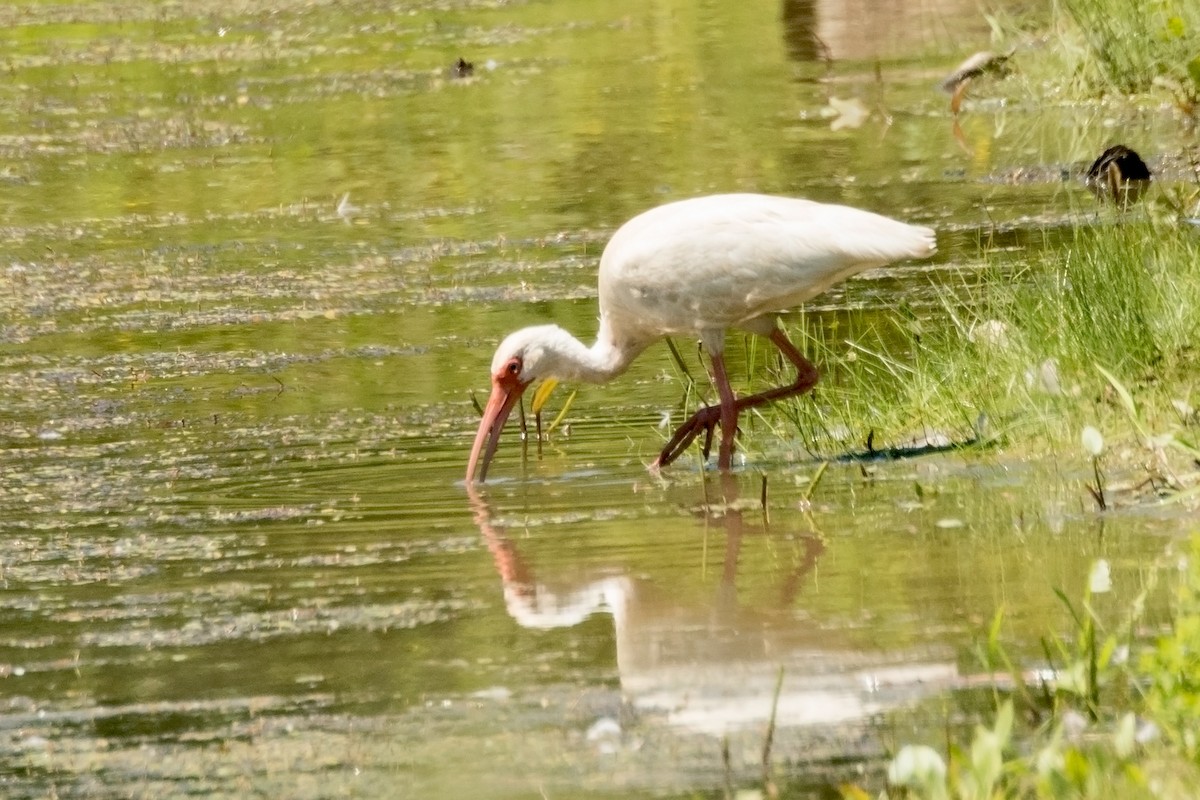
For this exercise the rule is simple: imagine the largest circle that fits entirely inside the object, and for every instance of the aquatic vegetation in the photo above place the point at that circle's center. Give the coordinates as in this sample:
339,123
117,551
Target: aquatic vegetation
1093,445
1104,723
1032,354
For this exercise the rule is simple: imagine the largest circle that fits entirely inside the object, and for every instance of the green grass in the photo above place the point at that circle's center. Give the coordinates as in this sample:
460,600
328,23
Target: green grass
1118,720
1025,358
1131,43
1089,48
1103,332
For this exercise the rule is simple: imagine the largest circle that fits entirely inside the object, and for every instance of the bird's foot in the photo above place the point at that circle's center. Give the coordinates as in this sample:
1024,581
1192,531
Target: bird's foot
704,420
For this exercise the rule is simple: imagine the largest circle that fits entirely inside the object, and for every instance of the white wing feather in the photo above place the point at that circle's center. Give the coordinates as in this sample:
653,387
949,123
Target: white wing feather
726,260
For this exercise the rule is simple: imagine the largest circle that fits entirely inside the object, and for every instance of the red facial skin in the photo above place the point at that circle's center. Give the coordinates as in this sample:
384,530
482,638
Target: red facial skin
507,388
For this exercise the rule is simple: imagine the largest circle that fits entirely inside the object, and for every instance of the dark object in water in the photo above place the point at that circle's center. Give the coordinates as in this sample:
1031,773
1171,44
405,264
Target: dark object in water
1119,174
462,69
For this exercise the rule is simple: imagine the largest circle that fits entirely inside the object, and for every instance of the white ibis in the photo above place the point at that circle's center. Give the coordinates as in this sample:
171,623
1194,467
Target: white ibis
695,268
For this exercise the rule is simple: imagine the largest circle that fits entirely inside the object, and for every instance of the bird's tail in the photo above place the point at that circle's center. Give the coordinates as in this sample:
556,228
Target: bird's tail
880,240
924,241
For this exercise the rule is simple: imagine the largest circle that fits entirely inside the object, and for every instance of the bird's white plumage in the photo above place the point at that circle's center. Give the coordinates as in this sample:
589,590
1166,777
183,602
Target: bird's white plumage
711,263
548,350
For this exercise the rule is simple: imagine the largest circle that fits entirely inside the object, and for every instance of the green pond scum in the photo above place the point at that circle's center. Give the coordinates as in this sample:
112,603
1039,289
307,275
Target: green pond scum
255,259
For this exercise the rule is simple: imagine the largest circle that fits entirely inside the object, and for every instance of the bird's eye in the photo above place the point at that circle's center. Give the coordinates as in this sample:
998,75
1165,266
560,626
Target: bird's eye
513,367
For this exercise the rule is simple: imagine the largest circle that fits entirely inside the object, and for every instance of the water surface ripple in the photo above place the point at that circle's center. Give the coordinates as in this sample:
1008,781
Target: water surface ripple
255,262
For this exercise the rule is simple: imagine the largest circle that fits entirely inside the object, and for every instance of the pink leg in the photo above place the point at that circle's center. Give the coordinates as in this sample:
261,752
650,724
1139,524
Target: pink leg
729,412
726,413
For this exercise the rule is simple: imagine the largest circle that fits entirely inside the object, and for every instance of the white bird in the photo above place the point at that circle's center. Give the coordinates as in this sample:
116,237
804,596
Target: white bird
696,268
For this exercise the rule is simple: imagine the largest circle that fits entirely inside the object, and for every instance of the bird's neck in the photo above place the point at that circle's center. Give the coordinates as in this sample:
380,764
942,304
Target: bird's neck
600,363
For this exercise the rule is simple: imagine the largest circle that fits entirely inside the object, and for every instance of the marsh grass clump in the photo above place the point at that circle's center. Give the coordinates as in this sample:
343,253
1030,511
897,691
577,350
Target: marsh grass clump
1131,43
1113,297
1024,355
1085,49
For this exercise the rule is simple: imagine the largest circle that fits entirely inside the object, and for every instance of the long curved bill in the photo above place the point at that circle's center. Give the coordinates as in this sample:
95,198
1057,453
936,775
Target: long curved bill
499,406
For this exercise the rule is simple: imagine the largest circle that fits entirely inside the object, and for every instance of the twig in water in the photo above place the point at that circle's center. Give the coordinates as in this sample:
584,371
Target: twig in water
812,485
540,396
524,432
763,500
728,767
1098,490
768,784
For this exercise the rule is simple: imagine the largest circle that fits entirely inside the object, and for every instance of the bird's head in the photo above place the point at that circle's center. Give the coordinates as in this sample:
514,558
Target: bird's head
522,358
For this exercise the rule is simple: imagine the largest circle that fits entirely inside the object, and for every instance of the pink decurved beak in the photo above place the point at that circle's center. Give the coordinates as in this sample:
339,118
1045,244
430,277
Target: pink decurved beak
505,395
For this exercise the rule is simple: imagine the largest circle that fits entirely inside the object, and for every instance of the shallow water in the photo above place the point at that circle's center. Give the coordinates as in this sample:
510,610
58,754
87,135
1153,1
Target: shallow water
255,264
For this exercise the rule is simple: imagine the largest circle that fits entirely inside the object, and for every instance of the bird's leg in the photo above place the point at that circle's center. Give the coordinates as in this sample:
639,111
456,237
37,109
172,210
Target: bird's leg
703,420
729,412
806,375
709,416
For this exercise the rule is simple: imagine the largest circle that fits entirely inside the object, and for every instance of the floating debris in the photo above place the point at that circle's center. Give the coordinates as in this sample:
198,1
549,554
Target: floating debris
347,210
462,69
1100,577
1120,175
845,113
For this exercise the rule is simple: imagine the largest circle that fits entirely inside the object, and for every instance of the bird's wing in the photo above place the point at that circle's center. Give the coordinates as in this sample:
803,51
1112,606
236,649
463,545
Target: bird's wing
722,260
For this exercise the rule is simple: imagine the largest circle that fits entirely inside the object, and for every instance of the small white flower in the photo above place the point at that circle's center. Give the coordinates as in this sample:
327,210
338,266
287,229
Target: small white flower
1100,579
1147,732
917,766
1093,441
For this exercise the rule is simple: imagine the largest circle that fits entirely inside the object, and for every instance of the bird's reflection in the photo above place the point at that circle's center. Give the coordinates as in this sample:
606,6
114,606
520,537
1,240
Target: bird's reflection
709,662
799,20
731,512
